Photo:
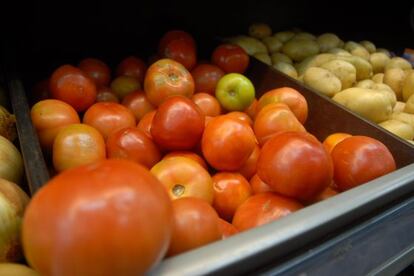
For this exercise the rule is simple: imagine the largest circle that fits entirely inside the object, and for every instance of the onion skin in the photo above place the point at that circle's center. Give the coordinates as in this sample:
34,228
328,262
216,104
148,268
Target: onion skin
7,124
11,162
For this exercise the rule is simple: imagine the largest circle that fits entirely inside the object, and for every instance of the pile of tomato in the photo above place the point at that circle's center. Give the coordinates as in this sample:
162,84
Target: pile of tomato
149,164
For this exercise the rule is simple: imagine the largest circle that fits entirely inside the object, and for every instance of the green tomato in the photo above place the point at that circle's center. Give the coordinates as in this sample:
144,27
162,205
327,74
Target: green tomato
235,92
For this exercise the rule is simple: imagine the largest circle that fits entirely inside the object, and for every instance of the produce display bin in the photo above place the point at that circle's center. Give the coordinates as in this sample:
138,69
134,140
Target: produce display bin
361,231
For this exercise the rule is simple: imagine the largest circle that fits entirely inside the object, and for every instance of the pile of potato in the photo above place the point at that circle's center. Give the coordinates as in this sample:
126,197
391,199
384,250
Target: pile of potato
360,76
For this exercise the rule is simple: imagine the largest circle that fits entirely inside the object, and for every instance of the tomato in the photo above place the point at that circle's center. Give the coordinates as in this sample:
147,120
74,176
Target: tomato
188,154
50,116
243,117
327,193
230,191
175,35
230,58
227,143
105,94
166,78
132,144
132,67
273,119
206,77
138,103
76,145
195,224
208,104
184,177
97,70
249,168
263,208
145,123
332,140
182,52
124,85
251,109
258,186
359,159
178,124
73,86
295,164
108,117
108,218
289,96
226,229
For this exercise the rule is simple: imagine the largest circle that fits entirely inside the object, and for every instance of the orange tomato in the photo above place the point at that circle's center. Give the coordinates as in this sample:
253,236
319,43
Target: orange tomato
227,229
250,167
188,154
332,140
208,104
124,85
105,94
327,193
182,52
230,58
251,109
138,103
258,186
97,70
132,67
146,122
243,117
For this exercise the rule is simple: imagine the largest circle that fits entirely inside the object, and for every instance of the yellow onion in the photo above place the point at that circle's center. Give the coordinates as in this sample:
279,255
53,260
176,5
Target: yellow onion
7,124
13,201
12,269
11,162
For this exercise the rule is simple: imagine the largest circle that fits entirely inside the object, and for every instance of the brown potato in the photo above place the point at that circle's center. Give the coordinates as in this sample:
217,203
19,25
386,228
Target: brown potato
394,78
322,81
343,70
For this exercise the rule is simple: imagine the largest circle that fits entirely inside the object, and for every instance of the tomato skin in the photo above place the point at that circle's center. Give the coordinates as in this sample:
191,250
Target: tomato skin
166,78
206,77
189,154
227,229
132,67
258,186
117,220
184,177
327,193
73,86
172,35
133,144
182,52
359,159
108,117
138,103
227,143
251,109
243,117
97,70
249,168
178,124
263,208
230,191
124,85
105,94
295,164
230,58
332,140
145,123
195,224
208,104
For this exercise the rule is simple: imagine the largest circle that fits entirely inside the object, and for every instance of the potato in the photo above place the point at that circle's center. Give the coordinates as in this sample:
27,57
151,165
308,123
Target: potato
385,51
399,128
368,84
378,78
356,49
300,48
370,104
408,85
409,105
339,51
327,41
263,57
394,78
399,107
284,36
378,62
314,61
249,44
286,68
343,70
260,30
363,67
403,117
398,62
279,57
304,35
322,80
272,43
368,45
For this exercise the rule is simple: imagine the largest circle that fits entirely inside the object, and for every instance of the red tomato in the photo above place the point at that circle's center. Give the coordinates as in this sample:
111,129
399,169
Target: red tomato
230,58
184,177
124,85
251,110
105,94
97,70
76,145
132,67
206,77
226,229
108,117
289,96
250,167
166,78
273,119
188,154
230,191
178,124
132,144
227,143
175,35
182,52
240,116
258,186
73,86
263,208
332,140
146,123
327,193
195,224
50,116
208,104
109,218
359,159
295,164
138,103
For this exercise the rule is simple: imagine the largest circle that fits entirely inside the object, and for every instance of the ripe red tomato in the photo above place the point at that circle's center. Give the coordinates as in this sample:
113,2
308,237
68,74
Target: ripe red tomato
184,177
175,35
108,218
258,186
195,224
50,116
145,123
208,104
250,167
227,143
230,191
97,70
105,94
332,140
206,77
359,159
132,144
227,229
289,96
138,103
295,164
178,124
108,117
243,117
166,78
251,110
263,208
327,193
188,154
230,58
73,86
182,52
132,67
